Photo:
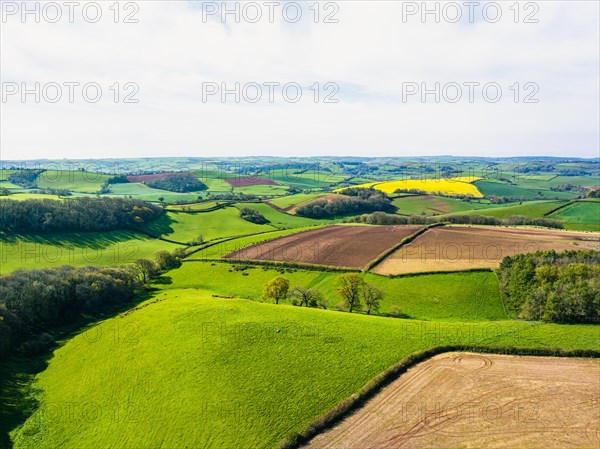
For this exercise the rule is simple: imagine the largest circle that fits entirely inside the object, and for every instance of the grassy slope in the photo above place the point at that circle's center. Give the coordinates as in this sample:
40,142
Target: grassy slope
528,192
532,209
452,296
75,181
143,192
184,227
280,219
293,200
580,216
240,383
86,248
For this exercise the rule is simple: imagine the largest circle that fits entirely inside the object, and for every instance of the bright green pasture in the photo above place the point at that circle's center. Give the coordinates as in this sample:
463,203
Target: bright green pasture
531,209
450,296
194,371
282,220
73,180
262,190
141,191
193,207
296,200
580,215
489,188
70,248
183,227
31,196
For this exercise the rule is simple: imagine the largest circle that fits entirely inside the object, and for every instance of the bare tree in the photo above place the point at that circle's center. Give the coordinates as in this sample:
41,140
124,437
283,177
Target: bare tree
350,286
372,297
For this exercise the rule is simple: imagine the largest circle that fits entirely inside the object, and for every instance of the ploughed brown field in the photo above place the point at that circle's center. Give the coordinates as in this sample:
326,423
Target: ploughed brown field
465,400
345,246
450,248
250,181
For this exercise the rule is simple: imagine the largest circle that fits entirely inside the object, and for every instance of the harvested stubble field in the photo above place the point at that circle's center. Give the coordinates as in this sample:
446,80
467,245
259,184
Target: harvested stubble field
451,248
493,401
345,246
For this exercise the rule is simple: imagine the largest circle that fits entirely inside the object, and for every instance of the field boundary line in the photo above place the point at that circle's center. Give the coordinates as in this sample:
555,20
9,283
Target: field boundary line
562,206
427,273
278,264
398,245
355,401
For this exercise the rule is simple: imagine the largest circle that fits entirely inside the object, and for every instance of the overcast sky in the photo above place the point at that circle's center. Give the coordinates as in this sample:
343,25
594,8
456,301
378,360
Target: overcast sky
371,61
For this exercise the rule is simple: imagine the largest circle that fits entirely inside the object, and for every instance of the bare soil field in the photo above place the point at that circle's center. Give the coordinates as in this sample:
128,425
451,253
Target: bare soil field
250,181
345,246
466,400
450,248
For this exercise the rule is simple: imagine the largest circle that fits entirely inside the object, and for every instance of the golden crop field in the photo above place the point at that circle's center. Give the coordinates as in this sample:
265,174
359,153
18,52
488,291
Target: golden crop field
448,186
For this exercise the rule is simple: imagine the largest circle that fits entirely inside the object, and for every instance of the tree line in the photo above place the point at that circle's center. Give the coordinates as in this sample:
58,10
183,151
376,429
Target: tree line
351,201
34,303
351,287
381,218
78,214
549,286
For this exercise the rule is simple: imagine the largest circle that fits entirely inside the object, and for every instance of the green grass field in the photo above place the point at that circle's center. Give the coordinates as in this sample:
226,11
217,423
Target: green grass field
73,180
489,188
192,207
30,196
183,227
262,190
233,373
532,209
282,220
296,200
143,192
580,216
69,248
451,296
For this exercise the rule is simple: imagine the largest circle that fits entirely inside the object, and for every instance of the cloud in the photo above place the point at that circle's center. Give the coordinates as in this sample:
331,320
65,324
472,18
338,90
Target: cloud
371,54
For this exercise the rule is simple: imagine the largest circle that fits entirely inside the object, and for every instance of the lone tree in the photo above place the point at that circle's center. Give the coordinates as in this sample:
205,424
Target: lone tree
306,297
350,286
277,289
372,297
146,268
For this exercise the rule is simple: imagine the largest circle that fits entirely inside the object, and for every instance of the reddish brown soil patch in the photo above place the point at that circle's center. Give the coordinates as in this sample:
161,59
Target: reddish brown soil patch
250,181
344,246
473,401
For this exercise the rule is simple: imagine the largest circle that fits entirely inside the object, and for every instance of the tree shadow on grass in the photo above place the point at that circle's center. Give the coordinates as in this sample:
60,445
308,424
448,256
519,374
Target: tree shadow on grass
92,240
19,397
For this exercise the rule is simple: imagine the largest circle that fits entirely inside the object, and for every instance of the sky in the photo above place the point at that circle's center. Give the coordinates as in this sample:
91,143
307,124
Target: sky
344,78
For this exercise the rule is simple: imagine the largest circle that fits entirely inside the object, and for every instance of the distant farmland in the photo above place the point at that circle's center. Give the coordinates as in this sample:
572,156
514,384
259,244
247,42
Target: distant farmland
250,181
346,246
451,248
497,401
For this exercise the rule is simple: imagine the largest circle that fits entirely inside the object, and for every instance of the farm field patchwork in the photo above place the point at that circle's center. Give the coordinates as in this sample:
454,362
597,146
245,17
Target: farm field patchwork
346,246
76,181
481,400
531,209
288,203
528,192
222,396
280,219
249,181
450,248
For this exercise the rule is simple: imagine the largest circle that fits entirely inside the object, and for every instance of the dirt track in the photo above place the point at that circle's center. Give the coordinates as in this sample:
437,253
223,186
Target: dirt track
347,246
450,248
465,400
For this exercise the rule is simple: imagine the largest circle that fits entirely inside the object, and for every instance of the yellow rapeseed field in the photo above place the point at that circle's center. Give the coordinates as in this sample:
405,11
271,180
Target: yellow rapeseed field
448,186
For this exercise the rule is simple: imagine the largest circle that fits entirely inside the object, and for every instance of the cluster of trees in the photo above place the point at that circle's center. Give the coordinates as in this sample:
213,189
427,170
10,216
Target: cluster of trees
237,196
33,303
78,214
352,201
352,288
381,218
594,193
550,286
178,182
24,178
253,216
